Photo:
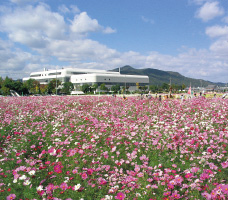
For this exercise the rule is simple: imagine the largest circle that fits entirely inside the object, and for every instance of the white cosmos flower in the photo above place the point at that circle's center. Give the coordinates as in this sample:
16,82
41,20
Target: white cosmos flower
27,182
40,188
23,177
76,187
107,197
32,172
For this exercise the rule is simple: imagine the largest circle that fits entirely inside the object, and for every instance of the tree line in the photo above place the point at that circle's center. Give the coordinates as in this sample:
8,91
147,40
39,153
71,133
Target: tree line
33,87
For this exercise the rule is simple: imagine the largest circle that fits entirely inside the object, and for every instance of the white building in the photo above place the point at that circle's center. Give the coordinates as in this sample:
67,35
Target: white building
90,76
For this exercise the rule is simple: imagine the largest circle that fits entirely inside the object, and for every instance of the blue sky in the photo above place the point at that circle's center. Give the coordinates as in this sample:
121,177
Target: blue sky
185,36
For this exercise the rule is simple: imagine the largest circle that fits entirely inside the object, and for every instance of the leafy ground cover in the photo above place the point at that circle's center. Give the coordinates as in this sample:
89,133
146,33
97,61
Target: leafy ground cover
109,148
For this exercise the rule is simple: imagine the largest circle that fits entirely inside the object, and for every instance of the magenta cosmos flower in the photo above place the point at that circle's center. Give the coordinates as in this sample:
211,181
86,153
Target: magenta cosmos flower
11,196
120,196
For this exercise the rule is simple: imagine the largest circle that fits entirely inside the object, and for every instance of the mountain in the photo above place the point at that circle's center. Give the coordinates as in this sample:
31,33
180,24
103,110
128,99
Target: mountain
158,77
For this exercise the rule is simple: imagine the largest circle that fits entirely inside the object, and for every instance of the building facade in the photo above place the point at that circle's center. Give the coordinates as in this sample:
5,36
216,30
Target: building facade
90,76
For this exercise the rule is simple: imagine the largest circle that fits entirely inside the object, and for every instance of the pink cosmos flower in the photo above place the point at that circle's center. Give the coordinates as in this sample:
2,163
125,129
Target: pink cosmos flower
195,169
213,194
50,188
120,196
101,181
175,195
150,180
140,174
174,165
63,186
210,150
167,193
224,164
225,189
171,184
90,171
58,169
137,168
206,195
47,162
204,176
84,176
179,179
188,175
11,196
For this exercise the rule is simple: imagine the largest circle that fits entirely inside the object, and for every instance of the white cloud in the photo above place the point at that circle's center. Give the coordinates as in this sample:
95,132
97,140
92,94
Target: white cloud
24,1
33,26
217,31
220,47
209,11
63,9
79,50
225,19
109,30
151,21
199,2
82,24
74,9
14,61
50,36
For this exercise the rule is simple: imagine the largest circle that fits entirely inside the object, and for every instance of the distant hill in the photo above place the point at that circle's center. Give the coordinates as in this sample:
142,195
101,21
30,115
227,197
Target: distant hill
158,77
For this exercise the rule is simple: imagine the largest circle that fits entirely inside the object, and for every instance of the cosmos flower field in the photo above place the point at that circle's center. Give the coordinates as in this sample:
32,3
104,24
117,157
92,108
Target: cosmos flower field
80,147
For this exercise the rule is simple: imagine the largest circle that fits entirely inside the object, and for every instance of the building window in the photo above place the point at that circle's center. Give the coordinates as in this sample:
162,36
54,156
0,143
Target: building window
56,73
35,75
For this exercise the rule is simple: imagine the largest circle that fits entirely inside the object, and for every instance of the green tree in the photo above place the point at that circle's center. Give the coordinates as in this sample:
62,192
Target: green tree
103,87
1,82
53,86
18,86
115,88
43,89
183,86
67,88
33,86
5,91
154,88
8,83
85,88
165,87
95,86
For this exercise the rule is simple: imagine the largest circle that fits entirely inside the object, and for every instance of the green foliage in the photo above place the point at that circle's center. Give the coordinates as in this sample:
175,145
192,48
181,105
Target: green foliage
103,87
165,87
143,88
115,88
5,91
8,84
154,88
67,88
52,85
95,86
85,88
33,86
